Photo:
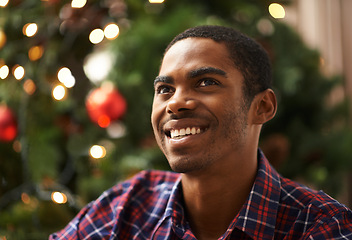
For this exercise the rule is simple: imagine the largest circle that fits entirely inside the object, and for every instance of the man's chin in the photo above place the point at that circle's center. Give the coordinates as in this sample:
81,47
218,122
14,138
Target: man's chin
184,166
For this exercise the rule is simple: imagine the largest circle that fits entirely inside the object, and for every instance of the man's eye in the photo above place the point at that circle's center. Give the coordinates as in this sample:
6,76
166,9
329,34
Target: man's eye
207,82
164,89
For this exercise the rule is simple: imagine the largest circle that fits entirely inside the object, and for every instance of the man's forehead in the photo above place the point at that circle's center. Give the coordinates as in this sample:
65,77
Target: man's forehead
197,55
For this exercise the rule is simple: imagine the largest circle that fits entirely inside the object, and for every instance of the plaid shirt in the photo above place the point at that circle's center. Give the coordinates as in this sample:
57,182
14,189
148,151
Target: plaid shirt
150,206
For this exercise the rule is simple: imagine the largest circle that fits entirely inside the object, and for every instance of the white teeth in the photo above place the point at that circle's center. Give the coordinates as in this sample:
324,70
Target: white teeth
179,133
194,131
182,131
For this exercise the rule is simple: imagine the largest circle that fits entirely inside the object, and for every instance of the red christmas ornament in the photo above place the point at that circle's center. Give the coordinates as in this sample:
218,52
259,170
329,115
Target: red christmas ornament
8,124
105,105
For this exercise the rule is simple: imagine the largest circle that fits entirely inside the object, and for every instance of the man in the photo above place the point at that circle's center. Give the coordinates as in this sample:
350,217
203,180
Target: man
212,96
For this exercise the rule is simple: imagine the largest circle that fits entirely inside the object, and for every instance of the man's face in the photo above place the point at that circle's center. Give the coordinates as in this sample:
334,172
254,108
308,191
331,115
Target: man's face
198,116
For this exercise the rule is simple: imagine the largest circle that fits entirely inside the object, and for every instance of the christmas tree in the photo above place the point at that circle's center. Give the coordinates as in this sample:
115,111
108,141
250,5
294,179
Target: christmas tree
76,87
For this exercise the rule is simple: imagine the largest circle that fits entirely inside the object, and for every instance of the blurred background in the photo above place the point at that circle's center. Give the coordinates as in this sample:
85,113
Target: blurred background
76,87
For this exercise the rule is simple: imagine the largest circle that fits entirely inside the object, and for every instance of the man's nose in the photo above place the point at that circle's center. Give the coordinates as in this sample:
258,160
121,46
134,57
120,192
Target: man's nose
182,100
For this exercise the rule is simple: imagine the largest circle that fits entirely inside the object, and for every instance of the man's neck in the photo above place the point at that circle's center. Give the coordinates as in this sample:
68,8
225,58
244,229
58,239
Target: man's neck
214,198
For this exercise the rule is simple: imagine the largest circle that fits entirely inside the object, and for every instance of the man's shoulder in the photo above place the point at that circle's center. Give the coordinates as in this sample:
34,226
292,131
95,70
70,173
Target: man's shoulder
306,201
126,206
140,193
298,199
307,212
297,194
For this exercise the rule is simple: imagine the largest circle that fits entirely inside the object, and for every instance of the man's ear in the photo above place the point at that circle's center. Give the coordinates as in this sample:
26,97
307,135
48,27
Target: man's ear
264,106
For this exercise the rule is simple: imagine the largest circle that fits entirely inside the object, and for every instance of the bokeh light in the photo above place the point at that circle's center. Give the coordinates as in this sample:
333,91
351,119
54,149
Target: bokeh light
116,130
78,3
58,197
276,10
29,86
97,151
30,29
4,71
63,73
65,77
97,65
156,1
3,3
25,198
2,38
111,31
18,72
35,53
59,92
96,36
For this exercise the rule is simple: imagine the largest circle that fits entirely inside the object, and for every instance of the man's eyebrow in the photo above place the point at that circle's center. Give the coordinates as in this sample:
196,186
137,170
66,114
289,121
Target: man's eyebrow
192,74
206,70
163,79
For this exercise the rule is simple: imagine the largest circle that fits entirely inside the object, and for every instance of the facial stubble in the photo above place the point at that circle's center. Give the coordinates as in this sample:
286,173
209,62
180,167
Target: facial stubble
233,131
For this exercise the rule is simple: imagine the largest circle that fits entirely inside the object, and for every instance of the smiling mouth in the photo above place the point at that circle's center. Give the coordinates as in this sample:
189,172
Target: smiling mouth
183,132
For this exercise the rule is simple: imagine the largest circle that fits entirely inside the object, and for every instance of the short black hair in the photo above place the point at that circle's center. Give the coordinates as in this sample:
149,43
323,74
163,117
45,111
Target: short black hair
248,56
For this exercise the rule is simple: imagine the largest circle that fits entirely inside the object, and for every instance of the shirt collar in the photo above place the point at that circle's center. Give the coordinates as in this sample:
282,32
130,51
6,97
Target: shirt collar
260,209
175,211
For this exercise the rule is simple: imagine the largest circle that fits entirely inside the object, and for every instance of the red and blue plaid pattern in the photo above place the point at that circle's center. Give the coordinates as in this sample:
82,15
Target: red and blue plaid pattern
150,206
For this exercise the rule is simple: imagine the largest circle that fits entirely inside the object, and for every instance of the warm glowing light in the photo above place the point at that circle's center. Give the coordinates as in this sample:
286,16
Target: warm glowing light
4,71
3,3
276,10
58,197
78,3
69,81
30,29
35,53
97,65
97,151
59,92
25,198
96,36
63,73
65,77
2,38
18,72
156,1
111,31
29,86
